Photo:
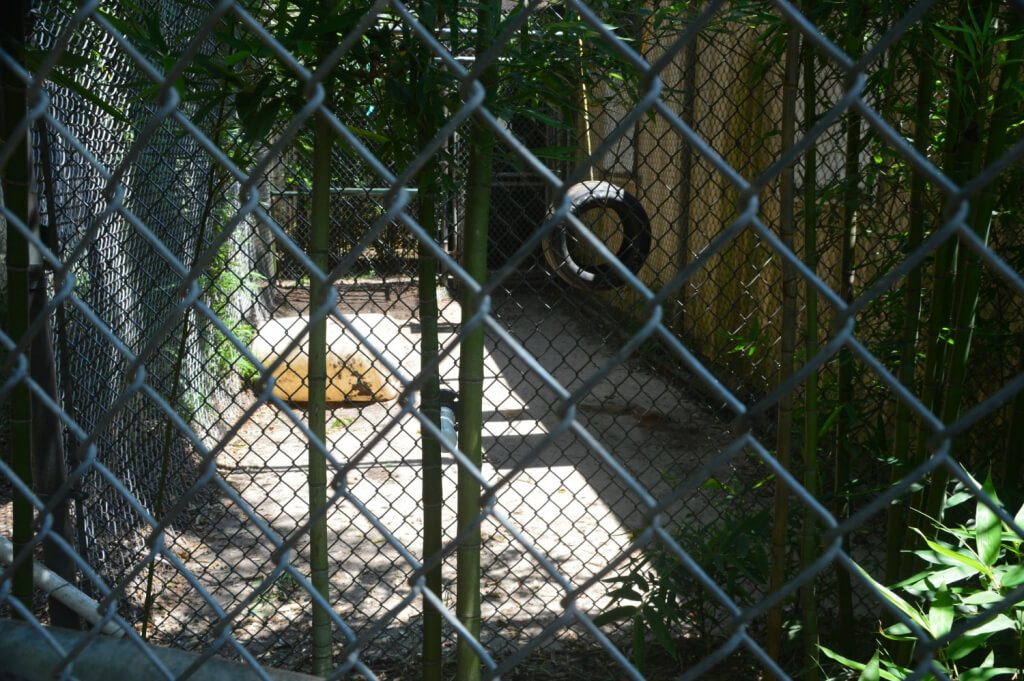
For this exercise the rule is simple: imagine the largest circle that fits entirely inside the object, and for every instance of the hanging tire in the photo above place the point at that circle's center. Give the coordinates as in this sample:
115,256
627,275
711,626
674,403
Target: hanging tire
632,253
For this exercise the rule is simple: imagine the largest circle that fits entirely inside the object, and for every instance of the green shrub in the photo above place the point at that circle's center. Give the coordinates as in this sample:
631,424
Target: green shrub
222,283
229,359
661,595
971,568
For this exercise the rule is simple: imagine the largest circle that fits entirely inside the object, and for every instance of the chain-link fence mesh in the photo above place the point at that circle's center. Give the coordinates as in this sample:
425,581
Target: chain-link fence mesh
752,320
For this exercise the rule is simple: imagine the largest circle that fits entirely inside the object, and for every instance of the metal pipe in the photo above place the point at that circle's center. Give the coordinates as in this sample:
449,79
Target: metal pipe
60,589
345,191
26,652
449,418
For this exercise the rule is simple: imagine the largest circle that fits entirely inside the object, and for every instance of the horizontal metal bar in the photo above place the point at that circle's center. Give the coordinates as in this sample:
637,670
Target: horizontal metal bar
345,191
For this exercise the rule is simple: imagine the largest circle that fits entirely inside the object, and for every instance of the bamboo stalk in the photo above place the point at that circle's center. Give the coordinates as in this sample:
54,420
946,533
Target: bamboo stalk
471,399
960,155
433,491
1000,122
471,370
909,335
433,494
845,389
809,543
683,189
16,196
317,377
784,436
970,267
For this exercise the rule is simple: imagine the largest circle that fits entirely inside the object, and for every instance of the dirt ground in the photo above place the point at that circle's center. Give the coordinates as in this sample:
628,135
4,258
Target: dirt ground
575,503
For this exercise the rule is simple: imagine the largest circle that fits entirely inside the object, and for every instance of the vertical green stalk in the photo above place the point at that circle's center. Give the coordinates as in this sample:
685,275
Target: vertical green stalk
784,436
897,513
683,190
471,368
961,158
433,491
809,547
970,267
845,390
433,494
471,379
1000,122
16,195
317,377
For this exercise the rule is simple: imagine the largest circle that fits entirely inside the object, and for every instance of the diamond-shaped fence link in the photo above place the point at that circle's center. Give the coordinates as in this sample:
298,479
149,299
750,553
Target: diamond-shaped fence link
751,303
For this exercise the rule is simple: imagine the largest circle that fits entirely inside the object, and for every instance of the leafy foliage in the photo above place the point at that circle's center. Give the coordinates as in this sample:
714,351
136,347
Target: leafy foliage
661,594
967,602
222,283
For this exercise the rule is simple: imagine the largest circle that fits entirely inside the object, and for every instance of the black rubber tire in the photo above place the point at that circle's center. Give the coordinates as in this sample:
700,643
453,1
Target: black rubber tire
636,239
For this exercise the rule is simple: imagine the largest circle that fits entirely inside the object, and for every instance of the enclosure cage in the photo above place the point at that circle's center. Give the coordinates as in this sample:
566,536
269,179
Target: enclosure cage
523,340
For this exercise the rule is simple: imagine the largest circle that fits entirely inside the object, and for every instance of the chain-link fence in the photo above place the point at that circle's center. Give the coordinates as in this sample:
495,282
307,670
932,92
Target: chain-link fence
544,340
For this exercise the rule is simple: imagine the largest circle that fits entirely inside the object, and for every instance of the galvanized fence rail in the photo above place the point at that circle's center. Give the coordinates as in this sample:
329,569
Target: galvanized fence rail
746,323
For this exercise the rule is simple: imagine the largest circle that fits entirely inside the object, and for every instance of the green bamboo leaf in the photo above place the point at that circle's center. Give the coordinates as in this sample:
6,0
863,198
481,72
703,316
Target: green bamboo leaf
965,645
901,672
639,643
978,637
640,581
1019,520
988,529
827,425
623,612
258,125
898,632
845,661
660,629
929,580
67,60
979,674
958,557
871,670
940,613
625,593
367,134
237,57
982,598
995,625
1012,576
985,670
906,608
957,498
543,117
88,95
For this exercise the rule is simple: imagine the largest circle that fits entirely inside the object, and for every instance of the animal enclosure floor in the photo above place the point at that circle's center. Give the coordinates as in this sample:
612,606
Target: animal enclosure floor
574,496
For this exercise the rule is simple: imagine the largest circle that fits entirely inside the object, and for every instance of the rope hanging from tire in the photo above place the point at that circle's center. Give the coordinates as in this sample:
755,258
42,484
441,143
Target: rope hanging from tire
632,252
